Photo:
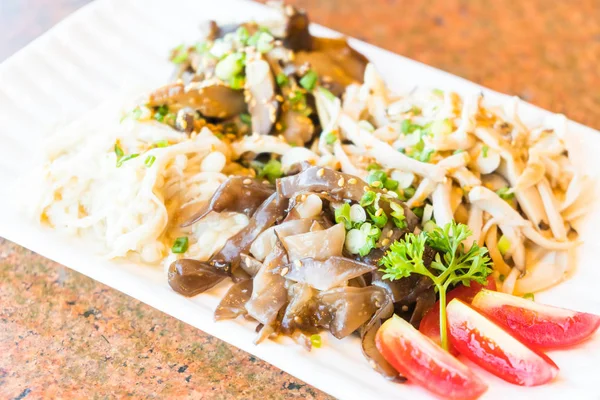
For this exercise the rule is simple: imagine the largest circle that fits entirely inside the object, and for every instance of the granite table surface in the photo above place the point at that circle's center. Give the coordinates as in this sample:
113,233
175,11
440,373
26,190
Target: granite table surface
63,335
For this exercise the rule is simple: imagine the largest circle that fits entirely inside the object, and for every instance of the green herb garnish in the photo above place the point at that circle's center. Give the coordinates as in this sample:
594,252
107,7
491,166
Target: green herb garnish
118,151
149,161
330,96
281,79
180,54
342,216
309,80
505,193
246,118
270,171
181,245
398,216
368,198
242,34
315,340
330,138
126,158
230,66
484,151
452,265
161,143
529,296
376,178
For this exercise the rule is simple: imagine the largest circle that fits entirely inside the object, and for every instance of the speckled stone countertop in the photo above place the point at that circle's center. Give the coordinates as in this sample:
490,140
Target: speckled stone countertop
63,335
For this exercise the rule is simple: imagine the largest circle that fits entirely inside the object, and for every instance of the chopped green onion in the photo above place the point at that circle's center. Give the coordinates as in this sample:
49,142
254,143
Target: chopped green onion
180,54
271,170
181,245
128,157
264,43
390,184
505,193
237,82
342,215
441,127
529,296
136,113
373,166
330,96
330,138
458,151
246,118
408,192
438,92
315,341
149,161
408,127
357,214
161,143
378,220
398,216
484,151
281,79
415,110
418,211
242,34
368,198
161,112
309,80
230,66
376,176
118,151
503,245
362,241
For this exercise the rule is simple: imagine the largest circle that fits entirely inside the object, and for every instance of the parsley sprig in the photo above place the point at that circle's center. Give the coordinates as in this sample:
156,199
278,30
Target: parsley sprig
452,264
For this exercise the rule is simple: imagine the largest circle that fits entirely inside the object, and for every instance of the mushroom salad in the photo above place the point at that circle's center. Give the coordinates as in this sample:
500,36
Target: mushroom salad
280,160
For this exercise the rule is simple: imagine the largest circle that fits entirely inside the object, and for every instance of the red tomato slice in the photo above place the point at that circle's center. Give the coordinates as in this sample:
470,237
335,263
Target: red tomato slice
494,349
425,363
537,324
430,324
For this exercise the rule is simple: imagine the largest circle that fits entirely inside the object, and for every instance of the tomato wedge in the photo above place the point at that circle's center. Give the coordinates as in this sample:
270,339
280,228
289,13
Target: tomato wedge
425,363
494,349
537,324
430,324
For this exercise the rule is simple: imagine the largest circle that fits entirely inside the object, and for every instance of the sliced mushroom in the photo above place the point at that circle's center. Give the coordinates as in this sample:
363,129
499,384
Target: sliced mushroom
238,194
212,99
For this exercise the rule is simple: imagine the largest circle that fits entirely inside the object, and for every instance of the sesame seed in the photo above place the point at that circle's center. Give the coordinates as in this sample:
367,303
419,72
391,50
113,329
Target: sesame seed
321,172
284,271
247,181
404,308
385,242
379,212
390,233
352,181
297,319
366,188
303,197
376,184
341,182
384,190
298,263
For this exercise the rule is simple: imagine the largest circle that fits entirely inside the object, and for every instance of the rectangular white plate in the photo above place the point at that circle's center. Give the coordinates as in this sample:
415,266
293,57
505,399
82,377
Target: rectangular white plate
117,45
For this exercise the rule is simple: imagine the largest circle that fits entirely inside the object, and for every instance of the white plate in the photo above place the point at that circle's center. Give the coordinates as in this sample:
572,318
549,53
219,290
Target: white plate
117,45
